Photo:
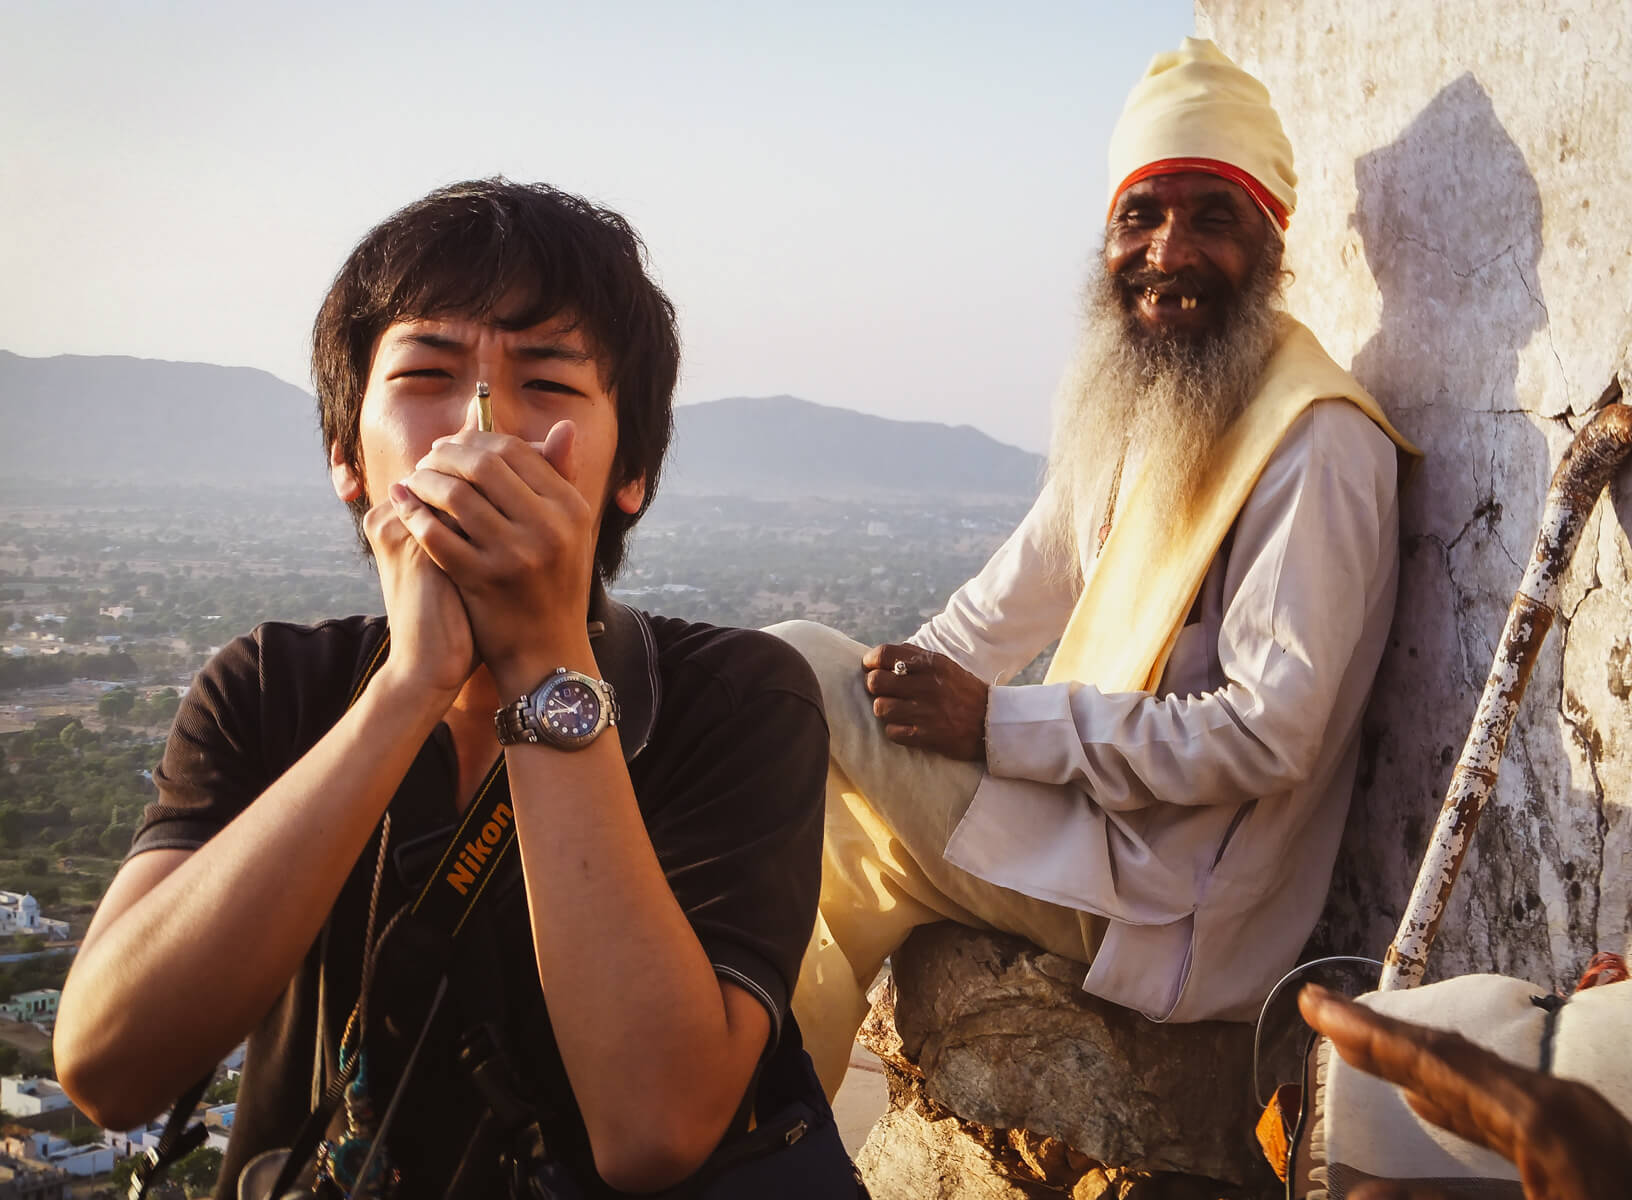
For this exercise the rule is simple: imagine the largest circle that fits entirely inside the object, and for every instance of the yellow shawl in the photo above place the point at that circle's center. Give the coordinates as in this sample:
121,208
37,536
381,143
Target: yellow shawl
1140,588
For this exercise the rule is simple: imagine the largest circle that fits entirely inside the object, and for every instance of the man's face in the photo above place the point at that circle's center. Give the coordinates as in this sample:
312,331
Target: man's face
1179,248
422,386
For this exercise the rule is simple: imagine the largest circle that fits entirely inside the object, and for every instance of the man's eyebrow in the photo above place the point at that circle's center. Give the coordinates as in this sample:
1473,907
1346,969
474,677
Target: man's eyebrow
552,352
427,339
534,352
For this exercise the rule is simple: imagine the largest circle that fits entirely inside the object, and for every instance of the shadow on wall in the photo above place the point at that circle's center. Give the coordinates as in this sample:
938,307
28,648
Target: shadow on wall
1451,221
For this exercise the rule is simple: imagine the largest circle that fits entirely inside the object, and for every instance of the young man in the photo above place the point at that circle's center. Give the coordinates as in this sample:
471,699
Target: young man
665,779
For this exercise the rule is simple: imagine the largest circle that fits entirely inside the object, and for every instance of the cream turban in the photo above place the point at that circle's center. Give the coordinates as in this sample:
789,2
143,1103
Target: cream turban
1195,110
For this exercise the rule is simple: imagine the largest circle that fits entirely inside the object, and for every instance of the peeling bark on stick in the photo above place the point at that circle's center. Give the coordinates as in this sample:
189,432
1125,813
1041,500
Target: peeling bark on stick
1598,449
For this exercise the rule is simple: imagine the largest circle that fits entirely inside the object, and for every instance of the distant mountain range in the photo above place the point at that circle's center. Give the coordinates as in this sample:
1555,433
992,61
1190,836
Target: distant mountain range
135,420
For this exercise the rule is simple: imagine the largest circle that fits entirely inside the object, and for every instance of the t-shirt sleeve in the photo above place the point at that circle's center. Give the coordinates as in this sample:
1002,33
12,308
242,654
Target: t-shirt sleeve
738,826
211,767
230,742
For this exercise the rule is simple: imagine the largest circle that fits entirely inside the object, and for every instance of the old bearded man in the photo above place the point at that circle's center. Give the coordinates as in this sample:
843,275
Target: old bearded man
1216,548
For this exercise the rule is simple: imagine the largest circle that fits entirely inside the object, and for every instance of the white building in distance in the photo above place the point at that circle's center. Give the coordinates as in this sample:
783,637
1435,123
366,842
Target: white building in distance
20,913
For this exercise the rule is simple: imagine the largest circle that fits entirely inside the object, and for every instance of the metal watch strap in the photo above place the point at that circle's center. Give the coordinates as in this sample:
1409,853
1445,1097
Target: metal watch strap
518,723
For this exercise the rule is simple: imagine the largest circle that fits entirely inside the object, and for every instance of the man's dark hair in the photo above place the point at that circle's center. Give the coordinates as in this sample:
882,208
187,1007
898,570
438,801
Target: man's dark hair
468,248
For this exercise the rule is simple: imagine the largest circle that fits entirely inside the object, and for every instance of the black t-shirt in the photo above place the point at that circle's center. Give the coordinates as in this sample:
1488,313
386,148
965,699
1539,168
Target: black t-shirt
726,746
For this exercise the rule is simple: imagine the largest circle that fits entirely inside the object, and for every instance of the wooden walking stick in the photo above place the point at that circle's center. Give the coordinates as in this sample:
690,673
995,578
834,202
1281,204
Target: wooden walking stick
1589,463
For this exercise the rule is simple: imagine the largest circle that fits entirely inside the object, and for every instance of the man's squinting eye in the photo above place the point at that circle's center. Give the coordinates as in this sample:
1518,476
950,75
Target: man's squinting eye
552,385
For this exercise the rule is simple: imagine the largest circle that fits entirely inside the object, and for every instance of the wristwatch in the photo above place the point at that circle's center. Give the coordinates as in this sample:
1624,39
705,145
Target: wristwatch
568,710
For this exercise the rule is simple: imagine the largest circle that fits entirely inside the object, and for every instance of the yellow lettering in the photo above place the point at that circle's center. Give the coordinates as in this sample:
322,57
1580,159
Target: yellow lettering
491,831
461,877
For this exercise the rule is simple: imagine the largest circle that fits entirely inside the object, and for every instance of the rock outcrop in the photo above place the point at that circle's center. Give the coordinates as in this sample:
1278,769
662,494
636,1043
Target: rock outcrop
1007,1080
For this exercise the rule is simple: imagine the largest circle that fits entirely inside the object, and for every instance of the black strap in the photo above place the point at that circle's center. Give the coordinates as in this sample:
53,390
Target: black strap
472,857
1551,1005
176,1142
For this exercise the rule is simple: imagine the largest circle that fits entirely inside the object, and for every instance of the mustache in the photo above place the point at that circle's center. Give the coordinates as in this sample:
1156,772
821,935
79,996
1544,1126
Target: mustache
1204,285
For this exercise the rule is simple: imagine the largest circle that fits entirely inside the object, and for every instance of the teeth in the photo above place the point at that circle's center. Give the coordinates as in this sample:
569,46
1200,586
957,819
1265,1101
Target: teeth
1152,295
1187,301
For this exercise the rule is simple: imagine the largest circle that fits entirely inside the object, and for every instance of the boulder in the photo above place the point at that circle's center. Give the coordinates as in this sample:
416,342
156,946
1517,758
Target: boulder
1006,1079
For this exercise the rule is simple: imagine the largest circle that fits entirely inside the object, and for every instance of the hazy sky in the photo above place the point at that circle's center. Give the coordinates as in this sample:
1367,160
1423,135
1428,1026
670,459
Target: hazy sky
884,206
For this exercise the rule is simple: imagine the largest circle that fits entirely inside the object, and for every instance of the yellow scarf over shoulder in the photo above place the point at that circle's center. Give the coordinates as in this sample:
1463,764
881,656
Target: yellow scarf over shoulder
1144,582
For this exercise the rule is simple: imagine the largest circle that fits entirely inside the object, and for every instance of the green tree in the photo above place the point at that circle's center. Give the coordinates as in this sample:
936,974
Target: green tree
161,707
117,703
198,1171
79,628
120,1178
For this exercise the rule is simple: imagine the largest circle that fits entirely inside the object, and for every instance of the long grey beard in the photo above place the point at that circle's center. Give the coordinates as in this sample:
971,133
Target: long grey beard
1162,402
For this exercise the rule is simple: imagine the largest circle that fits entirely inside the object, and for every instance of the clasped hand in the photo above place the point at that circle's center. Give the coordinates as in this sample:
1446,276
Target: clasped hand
495,553
929,702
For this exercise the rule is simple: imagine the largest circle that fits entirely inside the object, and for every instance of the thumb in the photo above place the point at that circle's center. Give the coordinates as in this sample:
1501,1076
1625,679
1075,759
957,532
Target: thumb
557,449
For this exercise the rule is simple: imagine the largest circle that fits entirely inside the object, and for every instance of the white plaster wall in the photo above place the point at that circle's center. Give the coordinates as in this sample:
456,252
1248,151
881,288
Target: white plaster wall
1464,238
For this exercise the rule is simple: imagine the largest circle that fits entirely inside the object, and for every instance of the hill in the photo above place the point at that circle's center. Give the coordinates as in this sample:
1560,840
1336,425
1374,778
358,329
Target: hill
781,446
128,420
119,420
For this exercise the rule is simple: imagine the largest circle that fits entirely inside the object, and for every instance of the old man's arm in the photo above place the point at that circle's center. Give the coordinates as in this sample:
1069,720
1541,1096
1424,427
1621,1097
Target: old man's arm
1307,590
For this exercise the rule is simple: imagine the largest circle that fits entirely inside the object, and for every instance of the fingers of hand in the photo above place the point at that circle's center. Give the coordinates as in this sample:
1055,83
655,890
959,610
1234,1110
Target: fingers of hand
443,543
515,511
900,710
508,472
888,683
883,657
904,735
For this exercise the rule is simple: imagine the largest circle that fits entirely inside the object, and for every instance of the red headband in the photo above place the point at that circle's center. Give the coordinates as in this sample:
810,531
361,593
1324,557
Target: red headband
1273,208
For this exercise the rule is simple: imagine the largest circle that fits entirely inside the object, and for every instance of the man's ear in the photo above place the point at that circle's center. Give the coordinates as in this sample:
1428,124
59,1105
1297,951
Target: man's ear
346,484
631,495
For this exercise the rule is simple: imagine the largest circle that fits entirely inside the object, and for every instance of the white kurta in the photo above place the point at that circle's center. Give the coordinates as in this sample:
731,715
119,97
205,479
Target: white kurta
1201,821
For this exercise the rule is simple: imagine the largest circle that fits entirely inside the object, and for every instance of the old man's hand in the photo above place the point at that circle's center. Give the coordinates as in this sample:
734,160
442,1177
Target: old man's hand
927,701
1567,1141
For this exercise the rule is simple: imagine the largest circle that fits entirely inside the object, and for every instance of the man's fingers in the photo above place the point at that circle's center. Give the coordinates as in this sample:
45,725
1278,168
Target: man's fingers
904,735
899,709
884,657
888,683
443,545
508,471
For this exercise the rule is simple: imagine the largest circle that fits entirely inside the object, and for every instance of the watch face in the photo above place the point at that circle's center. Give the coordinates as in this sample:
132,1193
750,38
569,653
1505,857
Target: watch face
571,709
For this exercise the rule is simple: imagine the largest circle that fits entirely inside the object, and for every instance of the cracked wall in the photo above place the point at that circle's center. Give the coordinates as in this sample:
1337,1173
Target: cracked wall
1464,239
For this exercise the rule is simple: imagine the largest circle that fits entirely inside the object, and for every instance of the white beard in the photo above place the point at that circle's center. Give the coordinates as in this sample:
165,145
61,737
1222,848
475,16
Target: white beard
1162,402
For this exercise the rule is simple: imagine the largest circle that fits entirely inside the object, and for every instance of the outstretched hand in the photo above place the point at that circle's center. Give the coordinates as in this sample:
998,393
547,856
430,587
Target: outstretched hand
1567,1141
928,701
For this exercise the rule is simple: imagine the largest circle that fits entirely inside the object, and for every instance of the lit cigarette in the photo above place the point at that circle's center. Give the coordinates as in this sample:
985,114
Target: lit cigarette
484,409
